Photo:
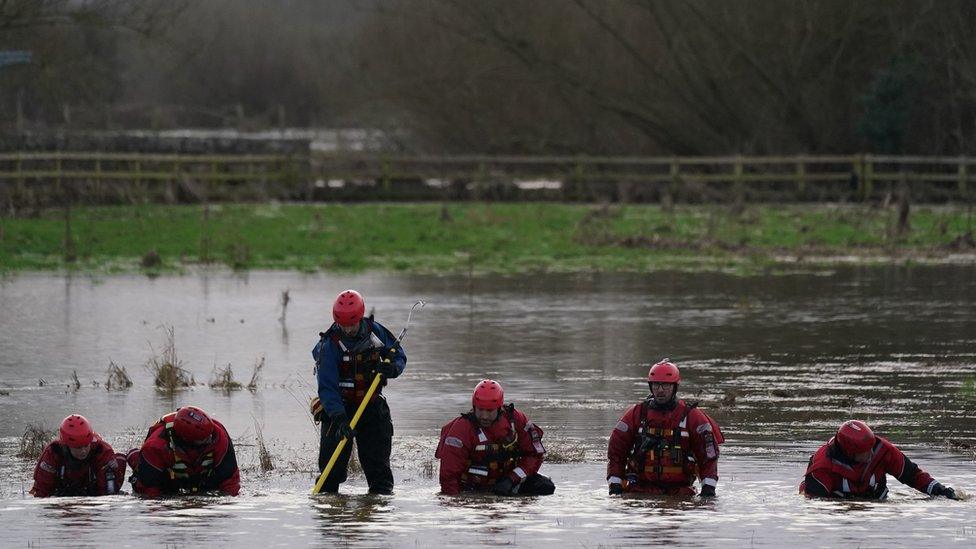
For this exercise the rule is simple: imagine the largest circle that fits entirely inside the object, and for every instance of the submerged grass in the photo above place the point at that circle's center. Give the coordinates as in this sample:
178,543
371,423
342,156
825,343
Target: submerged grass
476,236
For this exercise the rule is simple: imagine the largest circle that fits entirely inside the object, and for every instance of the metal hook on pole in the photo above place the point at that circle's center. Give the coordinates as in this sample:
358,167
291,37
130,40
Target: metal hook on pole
403,332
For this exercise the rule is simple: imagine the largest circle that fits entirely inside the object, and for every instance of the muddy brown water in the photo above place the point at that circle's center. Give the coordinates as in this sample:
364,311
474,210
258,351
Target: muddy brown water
778,360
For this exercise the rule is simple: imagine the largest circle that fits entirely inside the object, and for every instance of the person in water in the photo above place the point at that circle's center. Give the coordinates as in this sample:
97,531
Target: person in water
660,445
493,447
855,463
185,452
348,356
78,463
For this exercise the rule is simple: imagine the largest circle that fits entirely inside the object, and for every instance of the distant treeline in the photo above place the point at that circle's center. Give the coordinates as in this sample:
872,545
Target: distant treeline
599,77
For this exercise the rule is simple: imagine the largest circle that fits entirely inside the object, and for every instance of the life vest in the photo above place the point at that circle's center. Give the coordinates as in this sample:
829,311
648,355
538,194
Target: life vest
856,480
661,454
76,477
357,365
489,461
190,476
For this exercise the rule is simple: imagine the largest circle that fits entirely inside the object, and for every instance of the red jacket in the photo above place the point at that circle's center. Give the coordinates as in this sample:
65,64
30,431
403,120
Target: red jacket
207,468
832,474
665,451
473,458
58,473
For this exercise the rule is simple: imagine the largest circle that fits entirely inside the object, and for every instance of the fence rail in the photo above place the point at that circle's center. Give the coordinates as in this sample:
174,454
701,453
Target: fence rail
383,176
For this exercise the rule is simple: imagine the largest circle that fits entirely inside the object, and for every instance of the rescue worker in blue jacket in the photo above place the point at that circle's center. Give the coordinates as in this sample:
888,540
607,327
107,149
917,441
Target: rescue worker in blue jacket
347,357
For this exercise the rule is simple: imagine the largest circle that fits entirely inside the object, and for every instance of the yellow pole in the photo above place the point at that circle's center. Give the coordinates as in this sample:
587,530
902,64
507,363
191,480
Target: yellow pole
342,443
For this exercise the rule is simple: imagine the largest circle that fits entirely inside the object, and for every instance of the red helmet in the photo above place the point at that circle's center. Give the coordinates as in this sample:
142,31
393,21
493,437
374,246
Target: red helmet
192,424
488,395
664,372
855,437
349,308
76,432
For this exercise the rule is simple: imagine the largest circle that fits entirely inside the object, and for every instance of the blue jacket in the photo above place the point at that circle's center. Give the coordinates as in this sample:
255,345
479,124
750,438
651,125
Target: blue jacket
326,354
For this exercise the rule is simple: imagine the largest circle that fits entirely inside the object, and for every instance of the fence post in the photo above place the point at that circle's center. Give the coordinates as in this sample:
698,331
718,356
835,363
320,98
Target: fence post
385,177
19,169
667,199
962,176
801,175
868,177
737,184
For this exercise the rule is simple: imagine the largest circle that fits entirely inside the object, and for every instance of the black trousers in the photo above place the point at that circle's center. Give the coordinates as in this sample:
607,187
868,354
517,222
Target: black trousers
374,440
536,485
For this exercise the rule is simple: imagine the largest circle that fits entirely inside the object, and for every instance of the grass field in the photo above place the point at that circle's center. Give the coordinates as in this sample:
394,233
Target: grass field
477,237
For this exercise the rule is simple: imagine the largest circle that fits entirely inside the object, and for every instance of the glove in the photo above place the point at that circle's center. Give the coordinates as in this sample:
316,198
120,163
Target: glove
340,426
387,368
504,487
707,491
315,407
947,492
616,488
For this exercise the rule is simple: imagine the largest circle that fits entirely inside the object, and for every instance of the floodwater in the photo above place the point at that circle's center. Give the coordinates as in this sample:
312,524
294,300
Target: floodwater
779,361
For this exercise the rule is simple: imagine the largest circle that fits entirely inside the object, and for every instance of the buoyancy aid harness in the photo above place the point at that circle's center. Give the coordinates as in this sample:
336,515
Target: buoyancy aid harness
357,364
489,461
657,455
70,485
867,484
180,471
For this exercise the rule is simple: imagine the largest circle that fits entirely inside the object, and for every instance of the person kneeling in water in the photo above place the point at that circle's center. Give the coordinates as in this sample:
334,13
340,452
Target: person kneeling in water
493,447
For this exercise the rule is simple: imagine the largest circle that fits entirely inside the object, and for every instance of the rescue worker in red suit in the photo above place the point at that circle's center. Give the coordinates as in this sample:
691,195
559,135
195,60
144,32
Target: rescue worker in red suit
855,464
662,444
348,356
78,463
185,452
493,447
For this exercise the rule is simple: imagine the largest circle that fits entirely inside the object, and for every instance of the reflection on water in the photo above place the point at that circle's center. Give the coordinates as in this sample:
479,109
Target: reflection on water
778,361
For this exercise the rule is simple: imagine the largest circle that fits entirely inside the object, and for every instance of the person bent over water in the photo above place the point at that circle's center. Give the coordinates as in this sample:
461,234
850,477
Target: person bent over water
855,463
348,356
492,448
185,452
660,445
78,463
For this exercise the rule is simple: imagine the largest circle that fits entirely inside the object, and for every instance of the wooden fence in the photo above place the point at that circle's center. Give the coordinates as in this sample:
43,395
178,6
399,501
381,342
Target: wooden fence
351,176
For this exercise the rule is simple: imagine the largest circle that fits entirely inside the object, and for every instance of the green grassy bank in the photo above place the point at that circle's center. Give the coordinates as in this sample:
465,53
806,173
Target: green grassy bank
476,237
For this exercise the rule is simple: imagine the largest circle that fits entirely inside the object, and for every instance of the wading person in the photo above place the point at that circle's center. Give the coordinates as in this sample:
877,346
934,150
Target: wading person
855,463
185,452
348,356
78,463
493,447
660,445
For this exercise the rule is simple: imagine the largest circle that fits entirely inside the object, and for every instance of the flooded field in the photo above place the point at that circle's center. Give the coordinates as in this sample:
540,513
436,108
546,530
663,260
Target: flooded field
778,361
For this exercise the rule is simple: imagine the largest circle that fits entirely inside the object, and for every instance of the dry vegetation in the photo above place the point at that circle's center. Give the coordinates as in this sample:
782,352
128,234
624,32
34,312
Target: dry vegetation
118,378
75,383
166,367
264,457
223,379
33,441
256,375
